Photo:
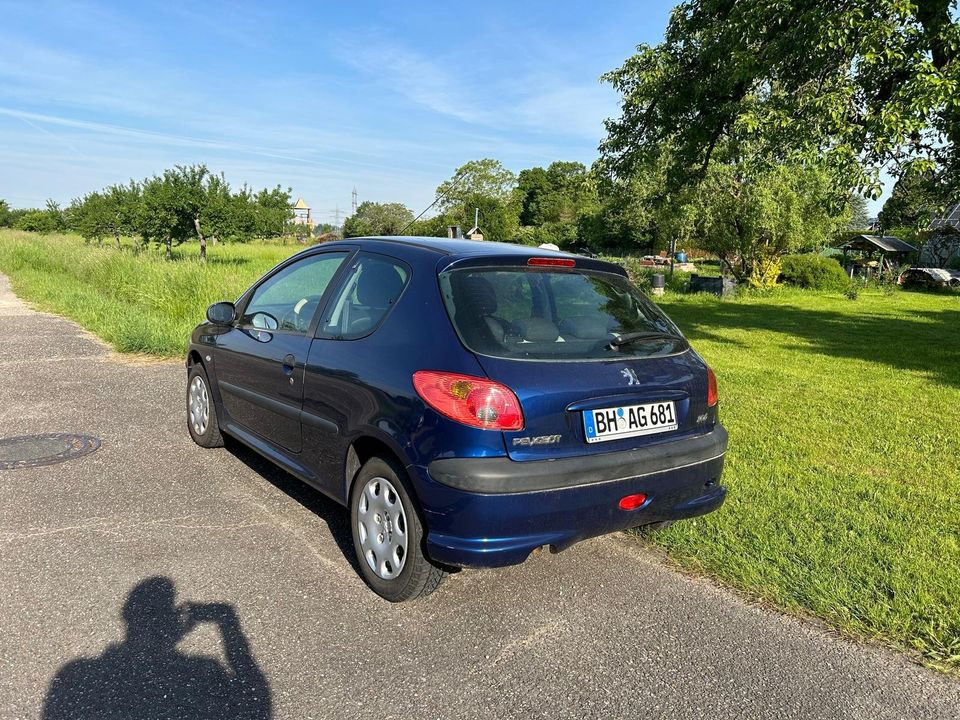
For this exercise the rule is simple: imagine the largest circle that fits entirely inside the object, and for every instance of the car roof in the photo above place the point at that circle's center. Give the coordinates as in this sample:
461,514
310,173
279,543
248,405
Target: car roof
448,246
456,249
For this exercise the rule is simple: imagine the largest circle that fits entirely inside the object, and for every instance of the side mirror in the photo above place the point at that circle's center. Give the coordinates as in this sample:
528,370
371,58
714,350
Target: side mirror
221,313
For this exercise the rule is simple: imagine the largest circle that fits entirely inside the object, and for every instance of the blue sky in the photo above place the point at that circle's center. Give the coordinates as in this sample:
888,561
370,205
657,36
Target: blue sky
322,97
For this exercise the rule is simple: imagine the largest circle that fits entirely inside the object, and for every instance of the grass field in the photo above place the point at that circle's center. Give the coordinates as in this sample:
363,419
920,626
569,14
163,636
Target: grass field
844,418
136,301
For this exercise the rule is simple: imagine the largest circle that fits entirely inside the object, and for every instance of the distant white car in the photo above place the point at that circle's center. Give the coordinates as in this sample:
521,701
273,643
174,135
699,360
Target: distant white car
929,277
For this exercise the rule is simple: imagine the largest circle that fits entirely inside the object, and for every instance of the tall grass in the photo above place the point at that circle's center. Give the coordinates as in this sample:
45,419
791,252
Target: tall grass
135,300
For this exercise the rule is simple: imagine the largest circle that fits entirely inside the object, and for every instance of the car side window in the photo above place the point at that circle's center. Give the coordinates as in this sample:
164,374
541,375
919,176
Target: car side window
371,288
288,300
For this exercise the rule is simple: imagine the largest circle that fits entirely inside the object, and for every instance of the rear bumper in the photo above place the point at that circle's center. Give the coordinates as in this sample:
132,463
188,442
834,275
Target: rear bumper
490,512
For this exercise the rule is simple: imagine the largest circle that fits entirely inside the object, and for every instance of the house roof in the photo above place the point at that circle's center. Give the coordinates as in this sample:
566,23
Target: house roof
886,243
949,218
300,205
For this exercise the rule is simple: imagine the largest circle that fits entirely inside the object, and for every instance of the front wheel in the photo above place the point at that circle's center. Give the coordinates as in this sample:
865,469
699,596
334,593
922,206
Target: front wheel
388,535
201,411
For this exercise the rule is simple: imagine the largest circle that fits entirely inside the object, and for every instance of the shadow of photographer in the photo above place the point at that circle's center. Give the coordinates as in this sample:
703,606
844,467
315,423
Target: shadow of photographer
146,676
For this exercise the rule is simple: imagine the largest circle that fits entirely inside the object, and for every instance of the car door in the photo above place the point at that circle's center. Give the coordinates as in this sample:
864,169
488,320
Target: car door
348,371
260,360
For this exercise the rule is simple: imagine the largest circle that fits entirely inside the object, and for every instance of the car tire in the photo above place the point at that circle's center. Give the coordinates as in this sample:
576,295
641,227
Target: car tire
655,527
202,421
388,534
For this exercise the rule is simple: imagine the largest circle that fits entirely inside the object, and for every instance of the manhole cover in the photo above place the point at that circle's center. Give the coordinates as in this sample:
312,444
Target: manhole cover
33,450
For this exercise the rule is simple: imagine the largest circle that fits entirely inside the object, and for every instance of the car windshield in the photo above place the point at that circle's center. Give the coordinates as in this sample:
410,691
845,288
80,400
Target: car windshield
536,314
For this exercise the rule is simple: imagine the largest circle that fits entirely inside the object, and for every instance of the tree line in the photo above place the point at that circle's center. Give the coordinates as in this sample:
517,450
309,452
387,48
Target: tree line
185,203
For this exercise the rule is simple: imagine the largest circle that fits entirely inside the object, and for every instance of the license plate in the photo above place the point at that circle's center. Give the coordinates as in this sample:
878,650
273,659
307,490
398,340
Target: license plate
614,423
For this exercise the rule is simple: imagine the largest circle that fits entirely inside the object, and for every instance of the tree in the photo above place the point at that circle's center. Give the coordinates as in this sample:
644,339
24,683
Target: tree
91,217
435,226
859,214
864,81
377,219
271,212
554,200
6,217
916,199
112,211
751,218
483,185
49,220
486,178
161,219
202,203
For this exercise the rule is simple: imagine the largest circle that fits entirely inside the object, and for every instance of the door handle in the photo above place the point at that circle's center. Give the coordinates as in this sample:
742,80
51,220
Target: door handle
289,363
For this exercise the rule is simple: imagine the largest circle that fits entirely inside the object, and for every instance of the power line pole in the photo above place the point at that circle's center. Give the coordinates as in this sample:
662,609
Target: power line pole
354,199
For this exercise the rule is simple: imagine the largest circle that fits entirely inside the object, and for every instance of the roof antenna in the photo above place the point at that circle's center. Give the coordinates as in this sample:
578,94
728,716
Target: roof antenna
438,198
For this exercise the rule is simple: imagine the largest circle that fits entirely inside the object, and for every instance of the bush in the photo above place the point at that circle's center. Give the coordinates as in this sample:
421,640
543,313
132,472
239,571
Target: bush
39,221
815,272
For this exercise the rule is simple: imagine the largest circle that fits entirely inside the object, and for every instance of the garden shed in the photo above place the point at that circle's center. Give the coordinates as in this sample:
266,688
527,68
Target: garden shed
877,253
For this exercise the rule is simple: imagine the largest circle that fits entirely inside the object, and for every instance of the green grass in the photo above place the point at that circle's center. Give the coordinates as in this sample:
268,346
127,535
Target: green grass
844,459
136,301
844,420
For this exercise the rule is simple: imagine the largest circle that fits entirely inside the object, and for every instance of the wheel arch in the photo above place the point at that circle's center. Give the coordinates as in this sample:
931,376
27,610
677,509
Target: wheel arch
194,358
361,449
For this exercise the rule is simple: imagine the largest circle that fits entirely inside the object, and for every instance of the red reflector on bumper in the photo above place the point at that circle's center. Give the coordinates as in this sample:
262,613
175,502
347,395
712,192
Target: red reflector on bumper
632,502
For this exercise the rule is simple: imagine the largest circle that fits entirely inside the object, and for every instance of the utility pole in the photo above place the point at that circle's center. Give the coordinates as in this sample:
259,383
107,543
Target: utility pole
354,199
336,216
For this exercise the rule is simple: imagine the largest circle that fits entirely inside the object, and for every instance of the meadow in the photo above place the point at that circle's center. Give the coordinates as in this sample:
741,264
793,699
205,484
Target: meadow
844,420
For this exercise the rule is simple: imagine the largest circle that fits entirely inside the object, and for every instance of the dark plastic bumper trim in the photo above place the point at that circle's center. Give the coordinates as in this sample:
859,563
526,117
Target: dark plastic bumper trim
501,475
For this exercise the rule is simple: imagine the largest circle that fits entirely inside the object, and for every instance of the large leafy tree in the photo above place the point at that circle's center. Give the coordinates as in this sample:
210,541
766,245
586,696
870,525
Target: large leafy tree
161,219
90,216
6,217
858,83
377,219
202,203
271,212
485,186
112,211
485,177
750,218
916,199
554,200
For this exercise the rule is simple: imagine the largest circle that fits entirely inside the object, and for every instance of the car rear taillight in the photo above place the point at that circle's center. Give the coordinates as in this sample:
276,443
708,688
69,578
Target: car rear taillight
473,401
712,395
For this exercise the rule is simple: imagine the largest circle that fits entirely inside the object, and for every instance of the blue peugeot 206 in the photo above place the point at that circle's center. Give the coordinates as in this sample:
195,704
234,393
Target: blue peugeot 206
469,402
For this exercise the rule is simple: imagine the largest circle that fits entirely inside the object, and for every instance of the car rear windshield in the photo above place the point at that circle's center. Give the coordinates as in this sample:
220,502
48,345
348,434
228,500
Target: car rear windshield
547,314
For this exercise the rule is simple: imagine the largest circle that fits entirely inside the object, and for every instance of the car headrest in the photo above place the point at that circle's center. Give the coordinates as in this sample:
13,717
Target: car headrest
379,285
536,330
476,292
585,327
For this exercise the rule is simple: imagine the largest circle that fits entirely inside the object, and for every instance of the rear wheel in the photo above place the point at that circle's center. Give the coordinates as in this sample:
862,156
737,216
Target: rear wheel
388,535
201,411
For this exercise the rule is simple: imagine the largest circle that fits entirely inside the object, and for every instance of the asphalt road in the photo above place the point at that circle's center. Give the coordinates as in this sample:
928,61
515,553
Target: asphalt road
603,630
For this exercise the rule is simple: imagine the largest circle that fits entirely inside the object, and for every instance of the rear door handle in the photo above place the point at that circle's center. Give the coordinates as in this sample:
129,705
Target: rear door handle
289,363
